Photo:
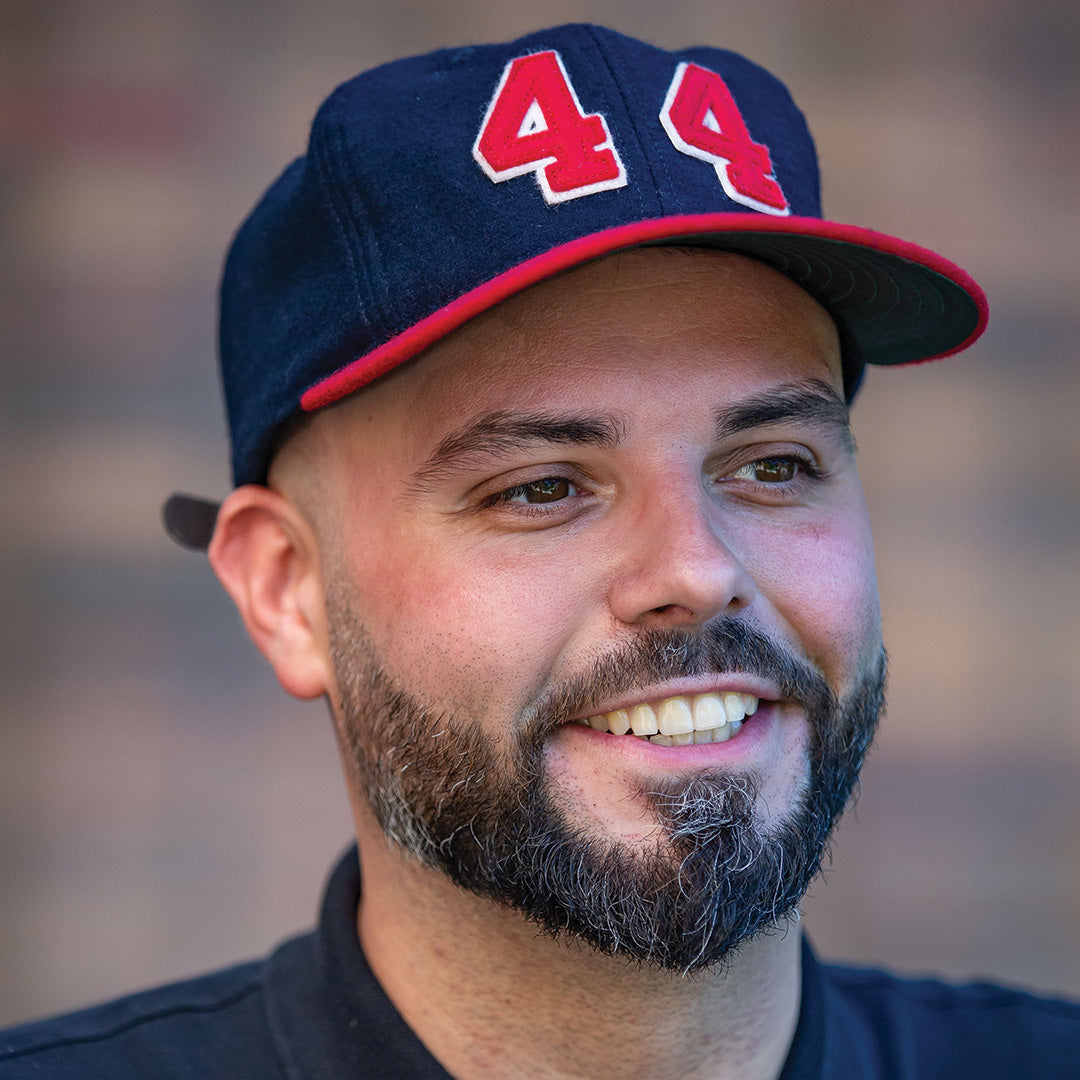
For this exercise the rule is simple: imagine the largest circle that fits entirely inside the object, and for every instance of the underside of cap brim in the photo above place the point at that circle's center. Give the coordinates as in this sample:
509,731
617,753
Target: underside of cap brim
190,520
895,302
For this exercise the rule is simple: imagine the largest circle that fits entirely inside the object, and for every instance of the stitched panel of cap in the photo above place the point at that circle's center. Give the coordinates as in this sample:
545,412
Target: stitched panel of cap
380,290
651,138
322,150
628,124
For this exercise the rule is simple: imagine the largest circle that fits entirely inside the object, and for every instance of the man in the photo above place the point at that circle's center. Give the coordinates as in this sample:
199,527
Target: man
537,368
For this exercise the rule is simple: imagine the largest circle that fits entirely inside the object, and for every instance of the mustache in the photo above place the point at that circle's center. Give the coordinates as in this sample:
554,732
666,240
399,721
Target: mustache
724,646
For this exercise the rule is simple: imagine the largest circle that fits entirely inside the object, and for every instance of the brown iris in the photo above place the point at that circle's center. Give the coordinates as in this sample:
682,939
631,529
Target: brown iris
775,470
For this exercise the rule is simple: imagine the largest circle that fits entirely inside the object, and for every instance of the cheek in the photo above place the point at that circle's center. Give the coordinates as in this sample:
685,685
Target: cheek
474,631
820,579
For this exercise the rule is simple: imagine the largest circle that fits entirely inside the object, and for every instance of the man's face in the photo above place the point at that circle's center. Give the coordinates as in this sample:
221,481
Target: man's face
630,486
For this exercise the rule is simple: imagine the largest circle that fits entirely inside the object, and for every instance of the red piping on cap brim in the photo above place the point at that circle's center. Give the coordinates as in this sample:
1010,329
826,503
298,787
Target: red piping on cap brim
436,326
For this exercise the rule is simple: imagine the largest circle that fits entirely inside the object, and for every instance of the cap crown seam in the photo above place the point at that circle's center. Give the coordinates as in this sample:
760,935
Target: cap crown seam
644,145
367,241
322,171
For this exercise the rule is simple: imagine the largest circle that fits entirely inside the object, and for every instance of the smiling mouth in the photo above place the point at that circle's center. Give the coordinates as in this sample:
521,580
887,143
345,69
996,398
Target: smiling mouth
679,721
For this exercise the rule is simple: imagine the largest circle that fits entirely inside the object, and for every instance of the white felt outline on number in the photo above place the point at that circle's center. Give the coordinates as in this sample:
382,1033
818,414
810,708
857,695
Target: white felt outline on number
720,164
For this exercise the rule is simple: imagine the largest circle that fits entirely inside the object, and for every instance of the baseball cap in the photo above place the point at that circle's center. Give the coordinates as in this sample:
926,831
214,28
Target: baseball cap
436,186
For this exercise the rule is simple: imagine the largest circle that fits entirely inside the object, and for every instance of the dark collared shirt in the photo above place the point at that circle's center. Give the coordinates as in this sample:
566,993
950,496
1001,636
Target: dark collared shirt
314,1011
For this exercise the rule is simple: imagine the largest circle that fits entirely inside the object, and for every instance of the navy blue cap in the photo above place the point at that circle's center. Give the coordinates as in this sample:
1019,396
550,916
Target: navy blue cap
436,186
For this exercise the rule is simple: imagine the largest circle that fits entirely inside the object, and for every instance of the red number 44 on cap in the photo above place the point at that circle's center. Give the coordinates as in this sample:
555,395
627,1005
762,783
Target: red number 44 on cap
535,123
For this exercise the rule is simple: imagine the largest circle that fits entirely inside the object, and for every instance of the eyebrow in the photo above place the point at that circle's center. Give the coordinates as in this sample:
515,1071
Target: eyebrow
498,433
813,402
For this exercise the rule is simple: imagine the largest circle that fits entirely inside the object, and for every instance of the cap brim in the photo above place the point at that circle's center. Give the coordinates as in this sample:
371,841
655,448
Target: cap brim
190,520
894,302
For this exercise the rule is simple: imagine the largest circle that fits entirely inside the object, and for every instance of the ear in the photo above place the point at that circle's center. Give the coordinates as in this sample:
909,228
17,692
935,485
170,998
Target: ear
265,554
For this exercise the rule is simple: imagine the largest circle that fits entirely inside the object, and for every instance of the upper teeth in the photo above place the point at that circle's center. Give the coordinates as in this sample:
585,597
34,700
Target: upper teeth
680,720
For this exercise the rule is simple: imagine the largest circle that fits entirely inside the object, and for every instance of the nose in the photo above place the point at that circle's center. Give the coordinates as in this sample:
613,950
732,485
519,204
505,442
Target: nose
676,568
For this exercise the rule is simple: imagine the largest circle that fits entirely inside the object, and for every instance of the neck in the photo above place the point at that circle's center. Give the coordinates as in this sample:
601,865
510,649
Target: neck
491,997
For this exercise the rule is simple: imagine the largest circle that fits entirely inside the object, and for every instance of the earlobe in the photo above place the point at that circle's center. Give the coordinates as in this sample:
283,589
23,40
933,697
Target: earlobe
266,557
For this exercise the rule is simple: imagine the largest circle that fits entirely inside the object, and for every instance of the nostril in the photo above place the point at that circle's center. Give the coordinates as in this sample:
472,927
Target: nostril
671,614
665,609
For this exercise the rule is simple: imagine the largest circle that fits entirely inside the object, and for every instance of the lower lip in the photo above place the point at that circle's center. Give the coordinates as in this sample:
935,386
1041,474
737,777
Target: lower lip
747,744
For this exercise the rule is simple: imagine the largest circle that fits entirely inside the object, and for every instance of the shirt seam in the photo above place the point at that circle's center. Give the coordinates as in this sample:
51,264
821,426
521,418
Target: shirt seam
953,998
129,1025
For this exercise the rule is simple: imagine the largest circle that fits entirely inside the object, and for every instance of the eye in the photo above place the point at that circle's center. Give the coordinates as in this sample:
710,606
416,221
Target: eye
771,470
784,475
549,489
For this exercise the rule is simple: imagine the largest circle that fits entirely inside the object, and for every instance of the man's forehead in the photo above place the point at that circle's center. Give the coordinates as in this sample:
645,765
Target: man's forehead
649,315
640,278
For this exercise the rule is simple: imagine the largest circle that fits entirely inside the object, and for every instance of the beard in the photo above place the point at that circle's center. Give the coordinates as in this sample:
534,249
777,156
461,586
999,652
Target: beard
712,876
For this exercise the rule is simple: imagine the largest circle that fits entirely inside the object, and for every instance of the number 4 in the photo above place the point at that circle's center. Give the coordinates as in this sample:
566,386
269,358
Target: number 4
535,123
702,120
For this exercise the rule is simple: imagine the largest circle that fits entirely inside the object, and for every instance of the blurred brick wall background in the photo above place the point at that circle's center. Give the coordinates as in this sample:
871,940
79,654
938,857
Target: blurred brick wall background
164,807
